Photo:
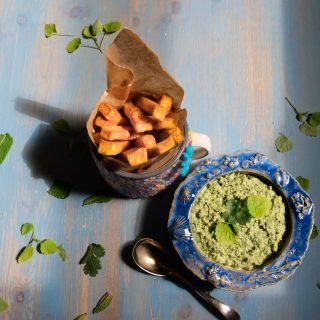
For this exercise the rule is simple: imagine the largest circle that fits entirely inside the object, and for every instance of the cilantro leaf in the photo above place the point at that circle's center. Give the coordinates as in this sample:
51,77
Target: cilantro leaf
25,254
61,125
5,144
26,228
48,246
283,144
111,27
236,212
314,119
91,259
315,232
49,29
62,253
224,234
95,199
258,206
103,303
304,182
308,130
59,189
73,45
3,305
83,316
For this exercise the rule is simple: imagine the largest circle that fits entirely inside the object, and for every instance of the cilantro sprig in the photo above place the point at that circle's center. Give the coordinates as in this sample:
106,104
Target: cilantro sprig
91,259
46,246
92,35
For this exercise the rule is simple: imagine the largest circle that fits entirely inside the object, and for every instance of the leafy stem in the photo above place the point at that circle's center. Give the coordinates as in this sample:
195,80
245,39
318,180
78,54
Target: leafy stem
97,44
86,46
293,106
102,40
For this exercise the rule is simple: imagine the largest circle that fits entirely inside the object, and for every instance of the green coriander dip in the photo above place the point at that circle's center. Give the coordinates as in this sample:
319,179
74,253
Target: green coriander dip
256,240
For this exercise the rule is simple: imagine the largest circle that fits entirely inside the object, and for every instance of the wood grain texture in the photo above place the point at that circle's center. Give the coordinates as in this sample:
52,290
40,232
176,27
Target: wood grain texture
236,61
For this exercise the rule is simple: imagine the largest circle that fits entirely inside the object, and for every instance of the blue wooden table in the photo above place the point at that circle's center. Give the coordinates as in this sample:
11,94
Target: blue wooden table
236,60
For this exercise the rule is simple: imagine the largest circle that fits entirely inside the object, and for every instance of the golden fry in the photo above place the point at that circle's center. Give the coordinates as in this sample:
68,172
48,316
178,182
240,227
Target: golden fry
136,156
112,148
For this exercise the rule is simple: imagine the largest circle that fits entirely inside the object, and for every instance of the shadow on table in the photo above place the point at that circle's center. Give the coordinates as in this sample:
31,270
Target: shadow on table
52,155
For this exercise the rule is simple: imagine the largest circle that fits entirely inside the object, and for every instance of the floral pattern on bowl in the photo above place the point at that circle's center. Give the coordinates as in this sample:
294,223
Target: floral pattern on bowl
279,268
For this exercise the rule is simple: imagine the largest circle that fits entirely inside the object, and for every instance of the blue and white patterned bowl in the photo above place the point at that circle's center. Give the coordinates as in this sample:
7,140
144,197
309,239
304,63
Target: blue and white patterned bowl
299,207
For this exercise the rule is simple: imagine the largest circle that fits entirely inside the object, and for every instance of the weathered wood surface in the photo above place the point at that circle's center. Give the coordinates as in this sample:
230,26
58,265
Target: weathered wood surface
236,60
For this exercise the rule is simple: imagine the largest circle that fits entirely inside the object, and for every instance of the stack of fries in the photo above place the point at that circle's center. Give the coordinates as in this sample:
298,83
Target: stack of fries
139,130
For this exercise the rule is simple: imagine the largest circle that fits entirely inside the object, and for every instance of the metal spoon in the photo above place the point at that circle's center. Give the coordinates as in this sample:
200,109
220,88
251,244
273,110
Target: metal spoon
152,258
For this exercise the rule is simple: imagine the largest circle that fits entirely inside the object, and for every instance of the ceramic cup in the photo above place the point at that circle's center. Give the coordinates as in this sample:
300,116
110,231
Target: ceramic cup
142,185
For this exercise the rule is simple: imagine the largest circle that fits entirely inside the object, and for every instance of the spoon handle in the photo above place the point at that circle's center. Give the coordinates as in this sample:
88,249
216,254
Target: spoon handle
213,303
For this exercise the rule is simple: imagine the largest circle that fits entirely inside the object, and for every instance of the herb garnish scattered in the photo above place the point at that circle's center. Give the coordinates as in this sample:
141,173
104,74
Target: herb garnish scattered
91,259
236,212
95,199
5,144
46,246
103,303
304,182
308,121
258,206
283,144
315,232
3,305
81,317
60,189
90,32
224,234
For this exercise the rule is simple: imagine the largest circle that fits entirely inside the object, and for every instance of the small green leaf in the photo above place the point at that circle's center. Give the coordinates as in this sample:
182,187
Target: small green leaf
283,144
25,254
103,303
49,29
304,182
97,27
86,33
236,212
73,45
315,232
224,234
59,189
3,305
91,259
48,246
314,119
97,250
62,253
83,316
308,130
26,228
111,27
5,144
95,199
258,206
61,125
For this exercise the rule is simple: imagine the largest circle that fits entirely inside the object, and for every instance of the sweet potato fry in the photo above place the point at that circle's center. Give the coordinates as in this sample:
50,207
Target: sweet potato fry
152,108
166,103
139,121
112,148
100,122
109,112
136,156
147,141
175,132
165,145
167,123
96,138
117,133
179,116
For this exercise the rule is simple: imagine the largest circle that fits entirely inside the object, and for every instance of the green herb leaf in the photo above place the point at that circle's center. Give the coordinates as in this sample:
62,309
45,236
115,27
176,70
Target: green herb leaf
258,206
48,246
59,189
315,232
61,125
25,254
86,33
103,303
91,259
95,199
62,253
5,145
81,317
308,130
224,234
97,27
111,27
73,45
283,144
3,305
49,29
236,212
26,228
314,119
304,182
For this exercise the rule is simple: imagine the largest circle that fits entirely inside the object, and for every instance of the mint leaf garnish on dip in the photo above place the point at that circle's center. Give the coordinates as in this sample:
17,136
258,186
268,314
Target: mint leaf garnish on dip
258,206
224,234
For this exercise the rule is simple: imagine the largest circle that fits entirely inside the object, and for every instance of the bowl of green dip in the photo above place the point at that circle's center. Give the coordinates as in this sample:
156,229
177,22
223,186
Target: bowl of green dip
240,221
